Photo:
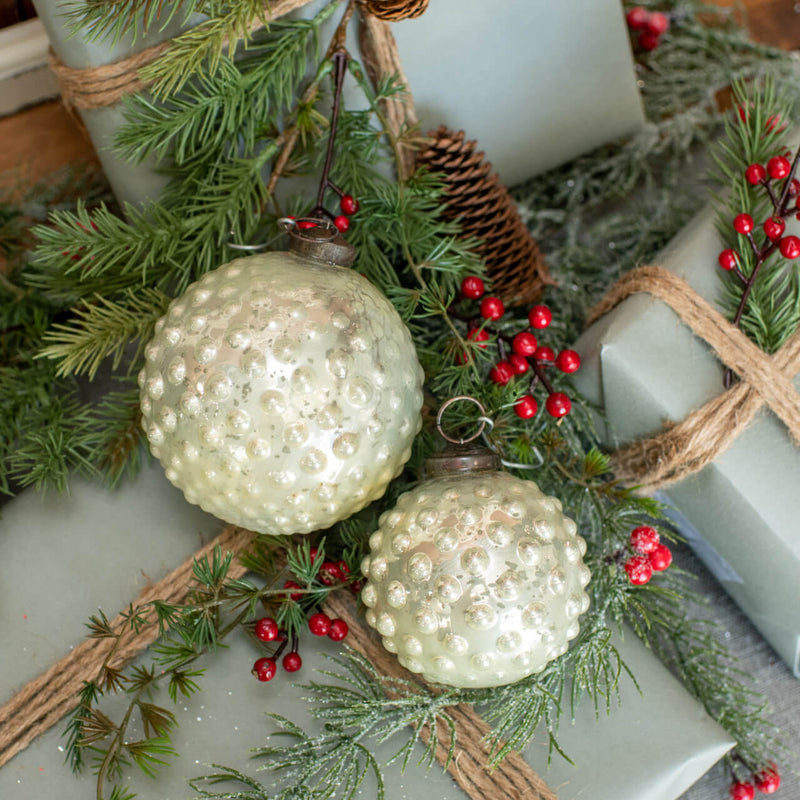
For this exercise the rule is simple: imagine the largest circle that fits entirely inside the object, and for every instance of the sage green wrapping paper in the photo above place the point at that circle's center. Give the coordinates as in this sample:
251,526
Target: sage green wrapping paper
62,557
536,85
741,513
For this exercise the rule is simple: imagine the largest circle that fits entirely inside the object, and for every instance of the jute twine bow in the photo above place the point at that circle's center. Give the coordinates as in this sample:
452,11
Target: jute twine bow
685,447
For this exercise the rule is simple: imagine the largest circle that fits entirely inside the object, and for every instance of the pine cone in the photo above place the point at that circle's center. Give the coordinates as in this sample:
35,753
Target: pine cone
395,10
485,210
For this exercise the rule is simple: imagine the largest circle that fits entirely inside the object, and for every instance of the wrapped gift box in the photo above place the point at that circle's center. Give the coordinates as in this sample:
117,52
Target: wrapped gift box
509,79
62,557
740,513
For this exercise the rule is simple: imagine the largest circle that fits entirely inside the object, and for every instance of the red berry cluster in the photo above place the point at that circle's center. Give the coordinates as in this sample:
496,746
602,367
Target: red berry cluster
778,181
767,781
330,574
349,205
648,26
267,630
651,556
526,355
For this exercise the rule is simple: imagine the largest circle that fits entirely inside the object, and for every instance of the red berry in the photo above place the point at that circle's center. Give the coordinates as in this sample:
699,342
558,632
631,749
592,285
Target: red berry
472,287
743,223
265,668
794,188
639,570
768,781
778,167
540,317
518,363
660,558
492,308
293,585
338,630
342,223
755,173
644,539
501,373
742,791
343,568
637,17
319,624
657,23
649,41
568,361
524,344
772,121
478,335
558,405
774,228
544,354
348,204
329,573
728,259
790,247
304,224
267,629
474,335
312,553
292,662
526,407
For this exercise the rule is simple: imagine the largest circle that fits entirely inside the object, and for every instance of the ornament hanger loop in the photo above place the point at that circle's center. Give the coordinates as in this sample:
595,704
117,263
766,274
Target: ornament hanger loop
483,419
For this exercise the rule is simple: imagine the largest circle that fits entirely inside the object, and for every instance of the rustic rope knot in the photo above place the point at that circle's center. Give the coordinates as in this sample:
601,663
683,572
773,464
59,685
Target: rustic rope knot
685,447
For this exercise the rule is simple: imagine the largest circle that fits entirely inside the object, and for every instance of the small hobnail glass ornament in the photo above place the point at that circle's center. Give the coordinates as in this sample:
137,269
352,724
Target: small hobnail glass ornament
476,577
282,392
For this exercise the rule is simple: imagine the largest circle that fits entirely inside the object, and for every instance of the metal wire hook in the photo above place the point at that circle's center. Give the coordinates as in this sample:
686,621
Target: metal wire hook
483,419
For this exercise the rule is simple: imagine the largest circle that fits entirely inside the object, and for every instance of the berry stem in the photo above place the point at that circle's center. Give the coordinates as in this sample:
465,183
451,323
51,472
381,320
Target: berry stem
767,184
788,183
539,372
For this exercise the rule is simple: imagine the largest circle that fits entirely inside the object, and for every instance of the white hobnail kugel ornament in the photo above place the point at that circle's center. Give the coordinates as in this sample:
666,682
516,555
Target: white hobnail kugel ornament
281,394
476,579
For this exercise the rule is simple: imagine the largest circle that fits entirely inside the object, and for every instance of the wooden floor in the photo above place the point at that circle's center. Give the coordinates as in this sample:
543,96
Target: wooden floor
41,140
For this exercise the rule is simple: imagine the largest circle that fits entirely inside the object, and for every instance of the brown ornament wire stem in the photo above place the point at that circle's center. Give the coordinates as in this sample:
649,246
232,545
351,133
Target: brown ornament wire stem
287,140
340,60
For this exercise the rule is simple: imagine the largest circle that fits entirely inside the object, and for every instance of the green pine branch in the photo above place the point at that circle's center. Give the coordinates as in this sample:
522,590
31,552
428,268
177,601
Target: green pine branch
102,329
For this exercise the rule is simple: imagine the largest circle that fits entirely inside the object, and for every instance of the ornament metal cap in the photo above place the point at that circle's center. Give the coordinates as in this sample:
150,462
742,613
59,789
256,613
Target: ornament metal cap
464,459
322,243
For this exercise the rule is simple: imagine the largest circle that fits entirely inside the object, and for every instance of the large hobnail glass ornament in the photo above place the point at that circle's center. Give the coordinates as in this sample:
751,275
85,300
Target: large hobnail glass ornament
475,578
282,392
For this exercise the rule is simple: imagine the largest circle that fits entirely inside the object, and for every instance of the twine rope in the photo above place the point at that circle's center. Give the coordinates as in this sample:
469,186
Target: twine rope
46,699
685,447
